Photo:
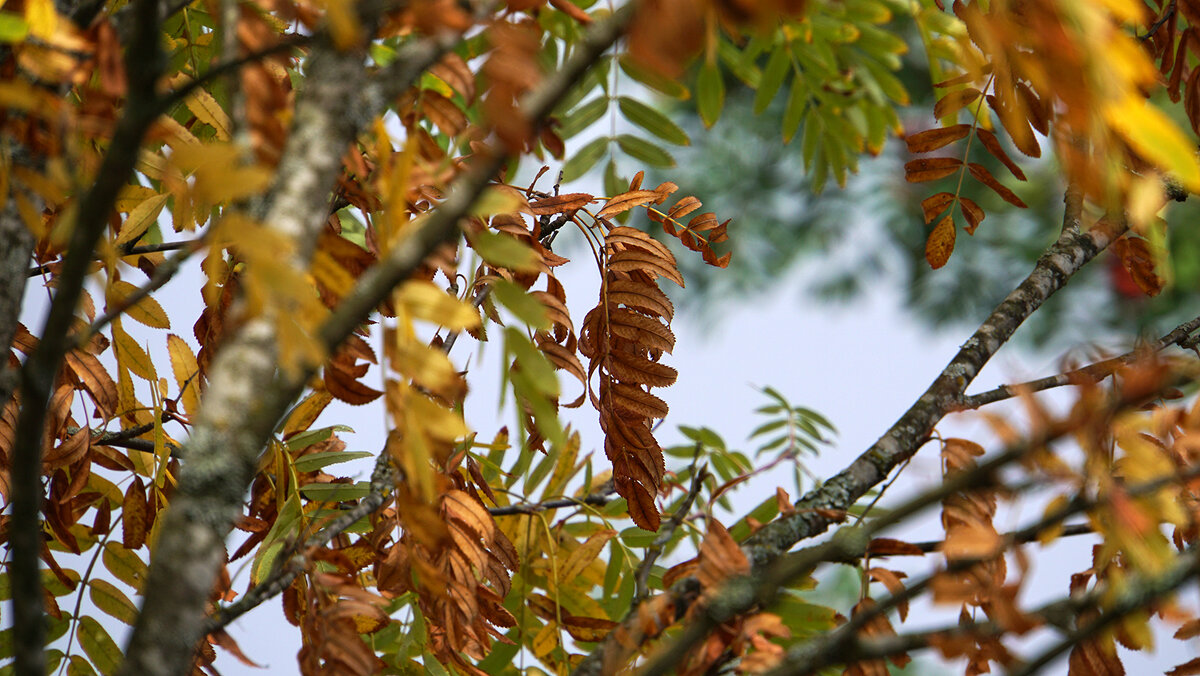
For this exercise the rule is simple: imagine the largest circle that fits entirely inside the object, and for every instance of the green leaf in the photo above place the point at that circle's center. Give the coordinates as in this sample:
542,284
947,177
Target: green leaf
641,149
113,601
526,308
740,63
287,523
797,103
125,565
772,79
587,157
99,646
315,461
710,94
659,83
336,492
532,363
78,666
638,538
583,117
704,436
652,121
12,27
504,251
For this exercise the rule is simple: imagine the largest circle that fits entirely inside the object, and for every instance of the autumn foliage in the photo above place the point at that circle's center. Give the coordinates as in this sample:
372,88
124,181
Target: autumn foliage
355,188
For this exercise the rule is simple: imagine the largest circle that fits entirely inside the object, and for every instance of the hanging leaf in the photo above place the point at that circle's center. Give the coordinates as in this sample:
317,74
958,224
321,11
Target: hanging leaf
940,244
710,94
652,121
930,169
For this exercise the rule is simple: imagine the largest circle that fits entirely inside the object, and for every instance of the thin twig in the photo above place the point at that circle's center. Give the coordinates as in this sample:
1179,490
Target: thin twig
163,273
642,576
597,499
122,252
1091,373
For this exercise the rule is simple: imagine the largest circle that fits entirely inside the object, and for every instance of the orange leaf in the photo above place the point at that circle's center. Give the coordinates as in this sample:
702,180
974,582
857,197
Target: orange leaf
955,101
993,146
930,168
972,212
934,205
985,177
940,244
932,139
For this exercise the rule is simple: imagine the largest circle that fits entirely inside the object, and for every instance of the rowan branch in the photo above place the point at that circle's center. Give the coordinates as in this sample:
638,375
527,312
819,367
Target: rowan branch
597,499
812,515
1091,373
246,395
143,65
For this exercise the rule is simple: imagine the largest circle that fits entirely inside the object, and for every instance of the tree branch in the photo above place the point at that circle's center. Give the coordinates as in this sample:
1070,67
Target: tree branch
143,64
1091,373
126,250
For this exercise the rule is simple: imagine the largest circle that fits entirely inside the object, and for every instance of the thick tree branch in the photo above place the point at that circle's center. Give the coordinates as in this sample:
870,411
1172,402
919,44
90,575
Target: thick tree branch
246,397
812,516
143,64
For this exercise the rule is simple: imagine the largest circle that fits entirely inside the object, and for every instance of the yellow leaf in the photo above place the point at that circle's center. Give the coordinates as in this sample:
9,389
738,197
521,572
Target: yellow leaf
344,26
219,174
499,199
131,196
207,110
1154,136
940,243
41,17
305,413
184,367
330,273
140,218
424,300
426,366
583,556
131,355
146,311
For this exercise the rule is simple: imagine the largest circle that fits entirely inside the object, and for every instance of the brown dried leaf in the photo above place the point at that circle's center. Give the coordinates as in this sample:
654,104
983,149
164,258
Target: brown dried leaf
938,137
626,201
558,204
720,557
985,177
940,244
972,213
993,146
935,204
930,168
